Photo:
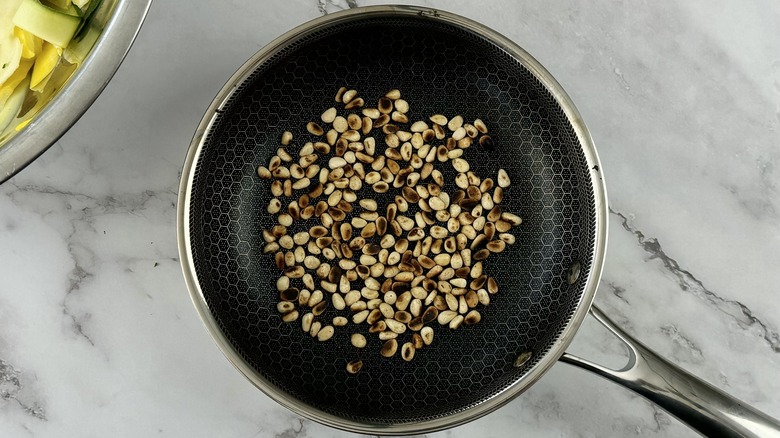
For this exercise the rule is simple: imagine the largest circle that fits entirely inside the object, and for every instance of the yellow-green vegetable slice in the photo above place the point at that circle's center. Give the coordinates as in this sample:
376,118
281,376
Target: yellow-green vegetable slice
46,23
10,46
10,109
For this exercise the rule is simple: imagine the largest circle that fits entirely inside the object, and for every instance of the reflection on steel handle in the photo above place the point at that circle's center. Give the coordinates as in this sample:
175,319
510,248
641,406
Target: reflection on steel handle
710,411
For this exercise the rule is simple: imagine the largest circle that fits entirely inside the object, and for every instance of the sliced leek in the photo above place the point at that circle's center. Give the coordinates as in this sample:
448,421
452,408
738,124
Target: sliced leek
8,87
31,44
46,23
10,108
38,53
44,65
60,4
10,46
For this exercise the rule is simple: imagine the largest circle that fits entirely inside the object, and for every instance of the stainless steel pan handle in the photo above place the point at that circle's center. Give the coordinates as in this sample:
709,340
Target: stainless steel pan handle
693,401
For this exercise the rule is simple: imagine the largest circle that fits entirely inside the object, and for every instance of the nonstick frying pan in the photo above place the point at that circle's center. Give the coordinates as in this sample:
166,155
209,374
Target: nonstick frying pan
442,63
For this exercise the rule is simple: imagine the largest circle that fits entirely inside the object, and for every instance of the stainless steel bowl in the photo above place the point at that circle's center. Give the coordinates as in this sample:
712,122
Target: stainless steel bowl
115,25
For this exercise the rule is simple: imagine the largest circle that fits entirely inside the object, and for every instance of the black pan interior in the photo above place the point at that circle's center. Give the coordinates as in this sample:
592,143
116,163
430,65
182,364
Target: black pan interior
439,68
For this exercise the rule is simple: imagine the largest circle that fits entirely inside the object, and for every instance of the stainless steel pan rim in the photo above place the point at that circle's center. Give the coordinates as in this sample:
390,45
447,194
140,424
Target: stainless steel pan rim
498,400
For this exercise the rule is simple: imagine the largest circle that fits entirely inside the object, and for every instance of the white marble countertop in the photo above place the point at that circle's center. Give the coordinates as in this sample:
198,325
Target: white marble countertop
97,333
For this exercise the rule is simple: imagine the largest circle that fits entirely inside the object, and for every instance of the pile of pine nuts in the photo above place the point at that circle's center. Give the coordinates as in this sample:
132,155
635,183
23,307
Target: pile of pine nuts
397,267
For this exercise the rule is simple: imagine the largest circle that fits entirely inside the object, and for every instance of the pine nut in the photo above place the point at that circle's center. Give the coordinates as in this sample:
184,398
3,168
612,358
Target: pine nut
407,351
431,264
325,333
358,340
389,348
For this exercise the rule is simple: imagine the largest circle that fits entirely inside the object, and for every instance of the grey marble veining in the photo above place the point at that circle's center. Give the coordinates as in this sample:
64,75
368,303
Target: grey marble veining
97,333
